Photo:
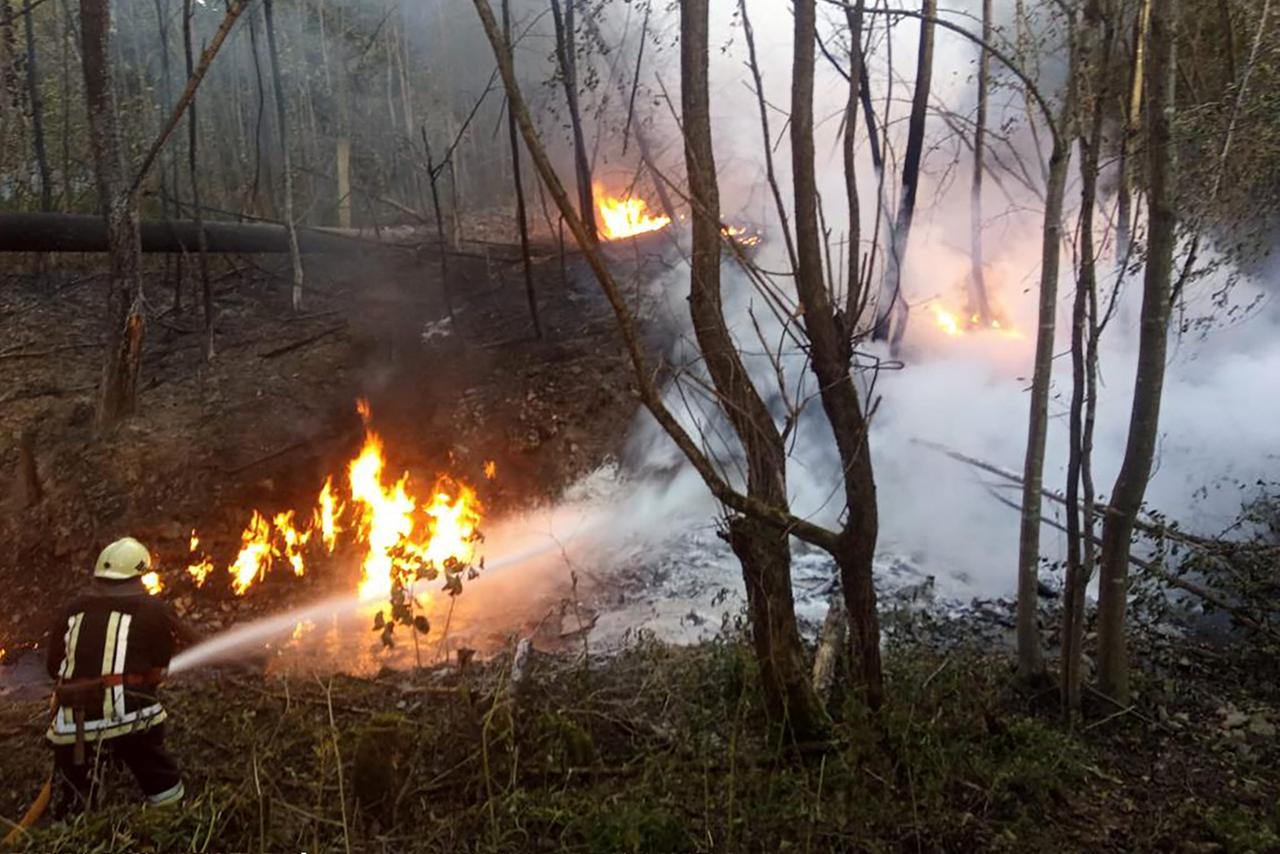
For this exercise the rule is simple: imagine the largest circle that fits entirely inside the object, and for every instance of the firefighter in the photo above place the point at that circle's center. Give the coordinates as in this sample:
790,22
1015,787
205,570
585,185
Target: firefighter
109,650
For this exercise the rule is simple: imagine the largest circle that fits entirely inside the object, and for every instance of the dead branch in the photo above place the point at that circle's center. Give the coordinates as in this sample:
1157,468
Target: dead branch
206,59
1147,526
831,641
302,342
650,394
17,353
1242,616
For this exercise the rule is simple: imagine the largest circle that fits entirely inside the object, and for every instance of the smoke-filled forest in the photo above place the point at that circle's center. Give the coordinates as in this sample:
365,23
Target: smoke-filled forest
619,425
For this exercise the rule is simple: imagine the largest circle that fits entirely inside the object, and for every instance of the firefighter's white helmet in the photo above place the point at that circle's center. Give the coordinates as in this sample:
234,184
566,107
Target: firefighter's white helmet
125,558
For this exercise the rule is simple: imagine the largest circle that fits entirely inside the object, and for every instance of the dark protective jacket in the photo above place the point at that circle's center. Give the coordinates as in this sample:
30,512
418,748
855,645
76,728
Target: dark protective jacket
109,649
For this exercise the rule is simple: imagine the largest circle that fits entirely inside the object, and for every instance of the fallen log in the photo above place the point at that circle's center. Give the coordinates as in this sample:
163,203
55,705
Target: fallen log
59,232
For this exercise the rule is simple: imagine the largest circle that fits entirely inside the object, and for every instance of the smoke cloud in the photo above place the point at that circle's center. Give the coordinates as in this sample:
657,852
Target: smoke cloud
968,392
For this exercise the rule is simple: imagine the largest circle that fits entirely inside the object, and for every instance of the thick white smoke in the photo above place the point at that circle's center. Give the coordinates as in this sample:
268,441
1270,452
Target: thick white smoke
967,392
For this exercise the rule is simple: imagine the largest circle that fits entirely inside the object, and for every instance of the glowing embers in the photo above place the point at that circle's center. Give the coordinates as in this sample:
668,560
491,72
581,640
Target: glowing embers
955,324
395,536
742,235
626,216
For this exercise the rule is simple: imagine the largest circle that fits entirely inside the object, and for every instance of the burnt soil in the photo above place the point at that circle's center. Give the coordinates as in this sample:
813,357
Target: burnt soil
263,423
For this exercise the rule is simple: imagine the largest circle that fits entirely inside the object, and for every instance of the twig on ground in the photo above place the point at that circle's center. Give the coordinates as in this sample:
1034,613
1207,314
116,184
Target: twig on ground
302,342
337,756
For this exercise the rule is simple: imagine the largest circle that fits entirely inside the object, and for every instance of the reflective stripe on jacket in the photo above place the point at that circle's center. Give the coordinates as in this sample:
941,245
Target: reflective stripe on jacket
108,650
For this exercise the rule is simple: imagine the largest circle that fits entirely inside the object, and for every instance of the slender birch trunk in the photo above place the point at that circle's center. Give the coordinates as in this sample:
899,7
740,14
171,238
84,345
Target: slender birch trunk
1144,419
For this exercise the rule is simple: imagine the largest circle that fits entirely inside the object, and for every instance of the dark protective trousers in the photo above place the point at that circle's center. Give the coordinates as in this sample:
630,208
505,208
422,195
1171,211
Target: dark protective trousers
142,753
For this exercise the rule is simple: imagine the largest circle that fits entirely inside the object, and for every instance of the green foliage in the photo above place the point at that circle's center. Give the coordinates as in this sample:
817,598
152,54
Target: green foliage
195,826
1238,571
1240,832
658,748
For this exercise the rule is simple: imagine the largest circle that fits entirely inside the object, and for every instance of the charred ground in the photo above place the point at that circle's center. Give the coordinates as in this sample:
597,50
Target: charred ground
274,412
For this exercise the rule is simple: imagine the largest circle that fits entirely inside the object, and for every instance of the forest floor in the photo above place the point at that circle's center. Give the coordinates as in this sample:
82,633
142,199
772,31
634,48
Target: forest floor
664,749
651,748
274,413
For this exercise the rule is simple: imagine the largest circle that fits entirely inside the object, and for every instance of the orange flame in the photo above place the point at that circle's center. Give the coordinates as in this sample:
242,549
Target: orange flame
742,236
626,217
255,554
453,520
327,513
293,540
401,538
198,569
152,582
386,517
947,321
490,469
954,324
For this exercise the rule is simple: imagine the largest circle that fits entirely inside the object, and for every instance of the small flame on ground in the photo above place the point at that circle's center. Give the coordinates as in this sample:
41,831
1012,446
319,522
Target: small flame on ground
741,235
626,217
255,554
327,514
152,582
293,540
955,324
200,569
490,469
947,321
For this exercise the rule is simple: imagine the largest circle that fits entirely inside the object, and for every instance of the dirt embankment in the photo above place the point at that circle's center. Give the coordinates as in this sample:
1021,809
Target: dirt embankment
263,423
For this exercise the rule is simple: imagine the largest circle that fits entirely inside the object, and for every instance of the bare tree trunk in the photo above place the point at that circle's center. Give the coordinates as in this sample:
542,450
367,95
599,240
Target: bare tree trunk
773,612
1080,540
763,552
854,292
343,156
125,320
1030,653
432,172
37,111
255,200
830,351
1144,420
170,186
282,118
981,306
891,317
1132,128
565,55
10,87
193,161
65,106
520,210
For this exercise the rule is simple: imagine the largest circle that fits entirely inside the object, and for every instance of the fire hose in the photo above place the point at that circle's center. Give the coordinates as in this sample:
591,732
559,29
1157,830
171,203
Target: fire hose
33,812
41,803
